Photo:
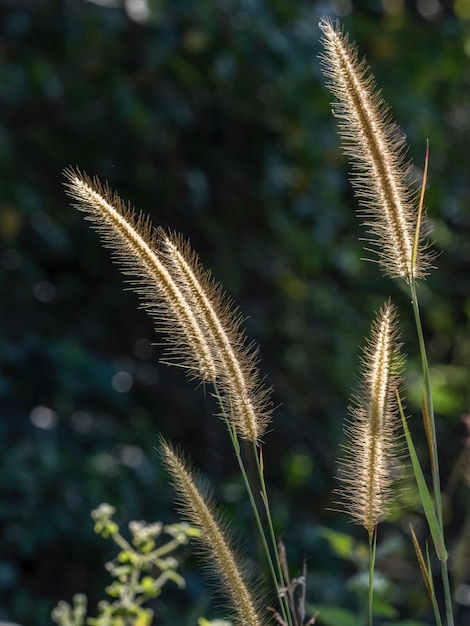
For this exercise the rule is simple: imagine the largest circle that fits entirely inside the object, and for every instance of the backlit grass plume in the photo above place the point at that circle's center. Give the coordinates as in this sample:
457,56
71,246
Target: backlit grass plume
377,151
221,562
393,216
366,471
135,243
199,323
244,398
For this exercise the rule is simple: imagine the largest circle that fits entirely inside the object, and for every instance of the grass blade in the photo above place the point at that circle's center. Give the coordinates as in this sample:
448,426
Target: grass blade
426,500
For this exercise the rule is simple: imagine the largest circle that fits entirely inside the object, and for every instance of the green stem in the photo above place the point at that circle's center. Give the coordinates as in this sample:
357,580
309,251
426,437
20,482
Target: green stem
372,553
435,606
429,403
131,586
162,550
434,459
122,543
447,593
264,494
236,446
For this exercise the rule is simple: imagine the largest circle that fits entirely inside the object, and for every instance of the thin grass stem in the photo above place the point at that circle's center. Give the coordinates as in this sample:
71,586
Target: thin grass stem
283,599
429,401
236,446
437,615
447,593
372,554
434,458
414,256
435,606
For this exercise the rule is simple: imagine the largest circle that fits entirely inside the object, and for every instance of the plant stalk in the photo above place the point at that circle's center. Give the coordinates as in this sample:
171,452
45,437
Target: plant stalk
283,598
434,455
372,553
236,446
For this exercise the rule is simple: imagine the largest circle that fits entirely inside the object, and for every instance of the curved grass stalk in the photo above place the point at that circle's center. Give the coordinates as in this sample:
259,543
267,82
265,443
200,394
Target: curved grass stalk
281,580
377,151
201,323
242,402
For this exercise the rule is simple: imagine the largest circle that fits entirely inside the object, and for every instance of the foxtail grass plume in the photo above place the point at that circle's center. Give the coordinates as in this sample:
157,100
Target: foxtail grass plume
367,469
199,323
134,243
245,400
197,508
377,151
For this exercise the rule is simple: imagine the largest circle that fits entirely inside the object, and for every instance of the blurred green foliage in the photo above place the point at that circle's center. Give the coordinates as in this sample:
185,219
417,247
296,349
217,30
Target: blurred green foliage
211,116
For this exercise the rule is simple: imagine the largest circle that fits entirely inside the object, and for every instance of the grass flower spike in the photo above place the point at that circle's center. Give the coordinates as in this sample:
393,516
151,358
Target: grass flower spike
198,510
203,333
366,471
134,243
244,400
392,213
200,324
377,150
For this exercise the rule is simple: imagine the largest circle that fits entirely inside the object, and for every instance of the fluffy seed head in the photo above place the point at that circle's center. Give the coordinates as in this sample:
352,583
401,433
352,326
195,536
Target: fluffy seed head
201,326
198,510
134,242
245,399
377,151
371,453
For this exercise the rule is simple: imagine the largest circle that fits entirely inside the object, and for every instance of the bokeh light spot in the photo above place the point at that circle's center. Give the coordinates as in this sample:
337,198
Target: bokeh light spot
428,8
44,291
122,382
43,417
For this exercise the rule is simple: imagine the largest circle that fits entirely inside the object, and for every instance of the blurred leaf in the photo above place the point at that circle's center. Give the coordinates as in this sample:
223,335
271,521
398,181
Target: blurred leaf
333,616
342,544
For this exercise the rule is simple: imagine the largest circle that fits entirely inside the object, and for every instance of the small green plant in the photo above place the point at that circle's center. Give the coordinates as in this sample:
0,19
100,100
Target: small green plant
204,336
142,567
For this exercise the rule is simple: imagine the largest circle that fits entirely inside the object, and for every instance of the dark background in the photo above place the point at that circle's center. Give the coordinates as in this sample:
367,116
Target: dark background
212,116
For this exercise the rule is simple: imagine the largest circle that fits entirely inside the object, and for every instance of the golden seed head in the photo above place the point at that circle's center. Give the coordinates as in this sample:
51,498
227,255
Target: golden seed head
367,469
197,508
377,151
133,241
245,400
201,326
